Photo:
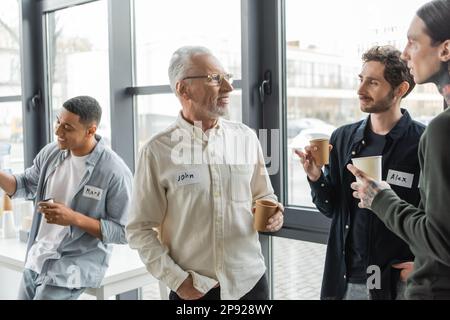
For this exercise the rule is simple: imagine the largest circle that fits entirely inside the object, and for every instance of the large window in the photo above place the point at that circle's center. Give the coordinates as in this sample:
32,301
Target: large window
11,136
323,60
11,132
190,23
78,63
157,37
9,48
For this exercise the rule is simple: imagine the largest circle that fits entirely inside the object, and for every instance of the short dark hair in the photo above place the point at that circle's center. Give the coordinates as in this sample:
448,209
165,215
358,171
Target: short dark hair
395,69
436,16
87,108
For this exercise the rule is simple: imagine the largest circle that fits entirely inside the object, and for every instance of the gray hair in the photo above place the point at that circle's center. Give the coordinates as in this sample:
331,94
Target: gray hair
181,62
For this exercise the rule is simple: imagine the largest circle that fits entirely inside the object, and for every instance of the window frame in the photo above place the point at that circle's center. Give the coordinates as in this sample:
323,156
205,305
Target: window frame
300,222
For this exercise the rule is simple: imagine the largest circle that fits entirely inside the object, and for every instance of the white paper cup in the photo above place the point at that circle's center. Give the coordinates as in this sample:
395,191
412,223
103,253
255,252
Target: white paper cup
9,228
26,223
370,165
27,208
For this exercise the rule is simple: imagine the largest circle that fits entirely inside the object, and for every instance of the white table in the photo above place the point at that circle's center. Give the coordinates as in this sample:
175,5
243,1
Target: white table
126,271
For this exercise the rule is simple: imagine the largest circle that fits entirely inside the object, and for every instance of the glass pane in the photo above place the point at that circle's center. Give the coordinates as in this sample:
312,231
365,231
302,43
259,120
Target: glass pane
190,23
9,48
297,269
157,112
323,64
11,136
78,57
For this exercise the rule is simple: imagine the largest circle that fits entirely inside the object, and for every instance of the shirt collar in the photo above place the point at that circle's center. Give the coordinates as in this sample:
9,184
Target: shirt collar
197,131
94,155
97,152
396,132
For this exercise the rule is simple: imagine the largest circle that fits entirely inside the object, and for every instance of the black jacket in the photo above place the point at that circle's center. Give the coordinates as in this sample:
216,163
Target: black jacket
333,197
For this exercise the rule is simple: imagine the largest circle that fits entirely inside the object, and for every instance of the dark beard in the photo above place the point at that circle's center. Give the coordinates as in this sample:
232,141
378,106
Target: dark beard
382,105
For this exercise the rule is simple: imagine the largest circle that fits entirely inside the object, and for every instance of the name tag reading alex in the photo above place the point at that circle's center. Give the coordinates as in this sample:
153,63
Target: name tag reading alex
92,192
187,177
399,178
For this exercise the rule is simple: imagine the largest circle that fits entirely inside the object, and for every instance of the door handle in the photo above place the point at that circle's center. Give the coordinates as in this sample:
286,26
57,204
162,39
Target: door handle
35,102
265,88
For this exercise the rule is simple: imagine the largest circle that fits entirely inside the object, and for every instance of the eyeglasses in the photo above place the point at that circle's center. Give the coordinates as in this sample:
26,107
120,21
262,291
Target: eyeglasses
215,79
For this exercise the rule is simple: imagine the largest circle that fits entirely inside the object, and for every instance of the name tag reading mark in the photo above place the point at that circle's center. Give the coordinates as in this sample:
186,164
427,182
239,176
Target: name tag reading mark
187,177
92,192
402,179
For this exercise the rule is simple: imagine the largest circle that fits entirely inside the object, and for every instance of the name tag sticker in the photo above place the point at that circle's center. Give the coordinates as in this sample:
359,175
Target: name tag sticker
186,177
92,192
402,179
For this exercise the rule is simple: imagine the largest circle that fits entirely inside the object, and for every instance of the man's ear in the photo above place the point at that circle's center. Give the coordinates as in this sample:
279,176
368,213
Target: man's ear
92,130
182,90
401,89
444,53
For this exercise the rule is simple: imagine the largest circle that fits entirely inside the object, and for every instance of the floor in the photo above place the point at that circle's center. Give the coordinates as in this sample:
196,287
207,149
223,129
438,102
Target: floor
298,268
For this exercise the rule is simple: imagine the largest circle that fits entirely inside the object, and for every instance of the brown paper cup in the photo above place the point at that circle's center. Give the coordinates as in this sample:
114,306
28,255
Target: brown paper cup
7,203
264,210
322,155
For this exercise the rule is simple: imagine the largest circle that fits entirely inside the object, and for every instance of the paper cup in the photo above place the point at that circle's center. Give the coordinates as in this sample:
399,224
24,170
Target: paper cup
27,208
322,154
26,223
370,165
264,210
9,228
7,203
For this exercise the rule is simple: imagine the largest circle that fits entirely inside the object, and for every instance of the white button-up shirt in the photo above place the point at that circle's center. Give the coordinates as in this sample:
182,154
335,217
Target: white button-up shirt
191,208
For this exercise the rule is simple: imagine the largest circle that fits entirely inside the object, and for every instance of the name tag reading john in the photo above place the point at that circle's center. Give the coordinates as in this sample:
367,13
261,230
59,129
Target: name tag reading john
92,192
399,178
187,177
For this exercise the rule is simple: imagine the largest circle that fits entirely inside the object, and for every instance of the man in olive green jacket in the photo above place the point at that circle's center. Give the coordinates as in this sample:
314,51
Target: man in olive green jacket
426,228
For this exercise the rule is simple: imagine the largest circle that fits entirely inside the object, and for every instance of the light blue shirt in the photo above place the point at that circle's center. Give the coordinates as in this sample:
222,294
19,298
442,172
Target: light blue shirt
104,194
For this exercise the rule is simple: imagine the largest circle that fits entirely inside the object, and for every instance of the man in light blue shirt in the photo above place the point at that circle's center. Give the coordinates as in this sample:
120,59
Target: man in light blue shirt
82,190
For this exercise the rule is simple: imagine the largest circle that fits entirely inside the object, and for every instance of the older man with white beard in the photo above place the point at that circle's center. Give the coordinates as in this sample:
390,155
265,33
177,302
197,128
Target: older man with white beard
191,216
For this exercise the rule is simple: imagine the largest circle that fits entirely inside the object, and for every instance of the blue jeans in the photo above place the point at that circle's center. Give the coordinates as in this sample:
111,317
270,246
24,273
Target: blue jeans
31,290
359,291
356,291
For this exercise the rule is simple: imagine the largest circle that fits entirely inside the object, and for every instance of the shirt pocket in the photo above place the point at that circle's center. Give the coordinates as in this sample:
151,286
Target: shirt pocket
241,176
89,207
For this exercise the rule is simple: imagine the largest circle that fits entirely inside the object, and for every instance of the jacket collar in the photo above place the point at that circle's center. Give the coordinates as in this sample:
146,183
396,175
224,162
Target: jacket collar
93,157
396,132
